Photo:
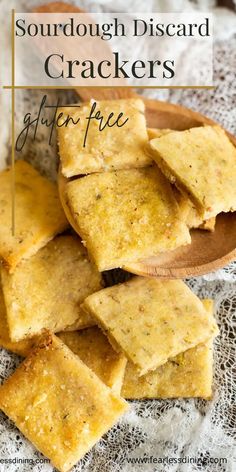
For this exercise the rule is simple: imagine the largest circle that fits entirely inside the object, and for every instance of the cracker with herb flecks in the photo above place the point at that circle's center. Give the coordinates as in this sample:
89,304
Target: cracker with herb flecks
126,215
21,348
189,374
46,291
188,210
38,213
151,320
94,349
201,162
59,404
116,147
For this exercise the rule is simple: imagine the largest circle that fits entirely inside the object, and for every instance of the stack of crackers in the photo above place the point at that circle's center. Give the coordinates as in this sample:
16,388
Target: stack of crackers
144,189
89,348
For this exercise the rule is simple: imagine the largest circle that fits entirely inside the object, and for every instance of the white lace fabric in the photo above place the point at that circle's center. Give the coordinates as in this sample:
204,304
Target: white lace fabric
180,428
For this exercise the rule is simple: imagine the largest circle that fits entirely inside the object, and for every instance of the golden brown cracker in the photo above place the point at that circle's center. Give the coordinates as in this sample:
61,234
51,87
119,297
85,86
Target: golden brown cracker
190,214
202,163
38,213
59,404
189,374
157,132
96,352
21,348
151,320
112,148
126,215
46,291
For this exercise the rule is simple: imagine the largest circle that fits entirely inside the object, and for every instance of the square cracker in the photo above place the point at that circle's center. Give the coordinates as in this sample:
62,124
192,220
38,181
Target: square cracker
126,215
59,404
96,352
21,348
202,163
151,320
188,210
189,374
38,213
109,149
45,292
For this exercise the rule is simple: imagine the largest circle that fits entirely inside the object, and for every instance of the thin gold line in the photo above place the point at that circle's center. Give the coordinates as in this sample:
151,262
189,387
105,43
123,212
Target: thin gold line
13,121
64,87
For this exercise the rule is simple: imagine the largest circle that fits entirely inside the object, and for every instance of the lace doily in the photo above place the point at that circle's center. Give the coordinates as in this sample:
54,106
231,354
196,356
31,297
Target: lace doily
177,429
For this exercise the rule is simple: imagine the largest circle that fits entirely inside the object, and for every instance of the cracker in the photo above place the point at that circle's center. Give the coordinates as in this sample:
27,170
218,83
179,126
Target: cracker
109,149
38,213
155,133
184,204
46,291
188,210
194,220
96,352
190,214
126,215
59,404
158,132
189,374
21,348
202,163
151,320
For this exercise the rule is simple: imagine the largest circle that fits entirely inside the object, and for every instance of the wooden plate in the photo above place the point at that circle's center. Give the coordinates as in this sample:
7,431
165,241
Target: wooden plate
208,251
